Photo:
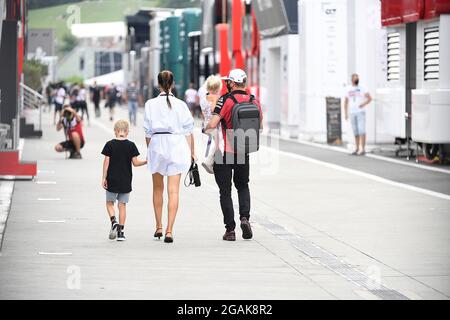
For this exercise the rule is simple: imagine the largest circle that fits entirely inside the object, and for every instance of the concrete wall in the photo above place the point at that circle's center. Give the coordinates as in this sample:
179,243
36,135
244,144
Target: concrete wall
279,78
337,38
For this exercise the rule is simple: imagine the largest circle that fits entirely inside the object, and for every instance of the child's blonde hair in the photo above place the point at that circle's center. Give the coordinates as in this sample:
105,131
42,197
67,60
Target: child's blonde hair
213,84
121,125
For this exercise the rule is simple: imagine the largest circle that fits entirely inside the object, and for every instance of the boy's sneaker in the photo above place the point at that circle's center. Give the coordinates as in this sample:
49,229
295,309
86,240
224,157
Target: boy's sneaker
246,229
120,235
113,231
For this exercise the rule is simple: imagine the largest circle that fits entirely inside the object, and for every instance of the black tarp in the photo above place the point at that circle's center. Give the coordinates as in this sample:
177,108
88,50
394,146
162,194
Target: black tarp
276,17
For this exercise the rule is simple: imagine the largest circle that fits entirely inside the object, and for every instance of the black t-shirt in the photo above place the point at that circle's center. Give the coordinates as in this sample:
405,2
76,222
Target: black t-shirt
120,153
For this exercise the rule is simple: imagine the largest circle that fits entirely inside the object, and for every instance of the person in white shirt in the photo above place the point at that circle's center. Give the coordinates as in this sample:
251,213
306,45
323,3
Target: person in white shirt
169,136
355,102
81,101
59,101
190,97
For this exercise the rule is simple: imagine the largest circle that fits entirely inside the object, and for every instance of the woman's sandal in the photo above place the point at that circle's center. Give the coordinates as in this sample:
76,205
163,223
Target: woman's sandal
168,239
158,234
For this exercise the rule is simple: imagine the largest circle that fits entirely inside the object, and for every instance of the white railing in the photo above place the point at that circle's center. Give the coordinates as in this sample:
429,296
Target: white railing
30,105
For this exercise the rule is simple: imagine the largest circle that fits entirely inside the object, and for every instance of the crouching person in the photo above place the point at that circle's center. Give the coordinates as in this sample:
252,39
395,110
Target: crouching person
71,122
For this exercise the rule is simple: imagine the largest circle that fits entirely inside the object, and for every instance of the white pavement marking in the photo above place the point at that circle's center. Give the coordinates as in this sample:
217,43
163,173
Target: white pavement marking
43,253
409,164
343,150
49,199
361,174
46,171
51,221
45,182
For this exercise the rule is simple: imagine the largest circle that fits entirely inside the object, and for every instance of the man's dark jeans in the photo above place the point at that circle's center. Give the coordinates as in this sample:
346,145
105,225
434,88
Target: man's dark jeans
223,173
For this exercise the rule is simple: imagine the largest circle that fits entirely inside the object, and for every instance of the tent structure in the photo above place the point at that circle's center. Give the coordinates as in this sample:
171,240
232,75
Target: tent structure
116,77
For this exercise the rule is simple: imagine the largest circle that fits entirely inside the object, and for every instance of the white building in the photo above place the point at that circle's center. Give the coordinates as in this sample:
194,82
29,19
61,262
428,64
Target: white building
99,51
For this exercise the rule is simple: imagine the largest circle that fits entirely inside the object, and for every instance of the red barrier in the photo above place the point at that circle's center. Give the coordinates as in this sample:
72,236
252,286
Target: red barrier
11,166
394,12
225,61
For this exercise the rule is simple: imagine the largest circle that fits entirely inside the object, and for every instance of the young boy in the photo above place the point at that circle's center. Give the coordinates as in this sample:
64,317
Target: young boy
119,154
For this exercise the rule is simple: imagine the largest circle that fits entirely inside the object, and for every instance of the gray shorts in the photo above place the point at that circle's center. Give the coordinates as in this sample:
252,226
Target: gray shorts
358,121
121,197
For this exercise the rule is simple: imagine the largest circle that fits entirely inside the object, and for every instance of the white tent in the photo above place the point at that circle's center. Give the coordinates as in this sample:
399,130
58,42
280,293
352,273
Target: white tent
99,30
116,77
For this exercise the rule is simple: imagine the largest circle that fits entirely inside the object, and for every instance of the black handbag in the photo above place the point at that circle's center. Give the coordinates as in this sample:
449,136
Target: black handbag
194,176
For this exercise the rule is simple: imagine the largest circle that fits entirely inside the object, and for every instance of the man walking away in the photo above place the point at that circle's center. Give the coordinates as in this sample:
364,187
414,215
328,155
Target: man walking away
190,97
111,98
228,164
59,101
355,103
95,97
82,97
132,96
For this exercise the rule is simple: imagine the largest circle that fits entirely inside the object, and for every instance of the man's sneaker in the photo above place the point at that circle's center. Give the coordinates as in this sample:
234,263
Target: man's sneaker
120,235
229,236
113,231
75,155
246,229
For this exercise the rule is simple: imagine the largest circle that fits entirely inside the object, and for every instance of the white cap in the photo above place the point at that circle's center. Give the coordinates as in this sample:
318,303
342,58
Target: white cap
236,75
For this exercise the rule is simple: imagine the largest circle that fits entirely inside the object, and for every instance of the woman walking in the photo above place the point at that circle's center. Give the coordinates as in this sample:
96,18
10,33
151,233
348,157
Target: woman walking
169,127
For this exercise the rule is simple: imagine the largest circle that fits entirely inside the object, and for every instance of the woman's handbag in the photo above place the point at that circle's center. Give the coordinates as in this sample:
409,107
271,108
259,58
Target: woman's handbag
194,175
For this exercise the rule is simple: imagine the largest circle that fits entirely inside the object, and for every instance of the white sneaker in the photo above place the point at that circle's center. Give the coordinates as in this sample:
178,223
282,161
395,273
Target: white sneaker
208,167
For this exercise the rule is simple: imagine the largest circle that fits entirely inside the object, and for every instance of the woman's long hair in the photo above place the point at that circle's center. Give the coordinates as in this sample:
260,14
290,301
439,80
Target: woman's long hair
165,81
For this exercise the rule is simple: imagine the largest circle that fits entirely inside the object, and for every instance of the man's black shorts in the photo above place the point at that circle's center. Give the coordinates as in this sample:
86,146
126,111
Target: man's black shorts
69,146
58,106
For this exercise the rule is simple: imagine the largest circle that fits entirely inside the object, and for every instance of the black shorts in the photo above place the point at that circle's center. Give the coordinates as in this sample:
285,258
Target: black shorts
110,104
58,106
69,146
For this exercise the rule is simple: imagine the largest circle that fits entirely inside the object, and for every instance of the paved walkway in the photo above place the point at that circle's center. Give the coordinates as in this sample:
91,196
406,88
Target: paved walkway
320,233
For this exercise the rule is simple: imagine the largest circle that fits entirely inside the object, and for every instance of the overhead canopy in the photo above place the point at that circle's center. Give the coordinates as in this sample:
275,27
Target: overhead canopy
99,30
276,18
116,77
2,15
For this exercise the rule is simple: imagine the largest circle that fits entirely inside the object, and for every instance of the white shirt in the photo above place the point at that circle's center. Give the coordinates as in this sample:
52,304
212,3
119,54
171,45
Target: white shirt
191,96
356,97
60,95
81,95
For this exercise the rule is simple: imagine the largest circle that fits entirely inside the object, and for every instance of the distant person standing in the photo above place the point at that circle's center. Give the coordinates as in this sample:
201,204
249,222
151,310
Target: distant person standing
355,102
82,97
59,101
111,99
190,97
95,97
73,96
49,96
132,96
